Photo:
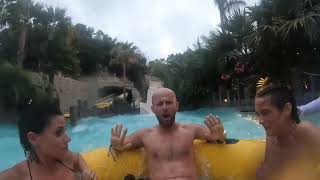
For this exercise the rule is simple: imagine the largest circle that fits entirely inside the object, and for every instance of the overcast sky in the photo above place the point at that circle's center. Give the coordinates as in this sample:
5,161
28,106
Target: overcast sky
157,27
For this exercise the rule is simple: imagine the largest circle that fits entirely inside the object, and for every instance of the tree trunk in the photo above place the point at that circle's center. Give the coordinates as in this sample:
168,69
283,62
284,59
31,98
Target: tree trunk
124,79
222,19
124,72
228,97
139,83
21,47
220,89
213,95
238,92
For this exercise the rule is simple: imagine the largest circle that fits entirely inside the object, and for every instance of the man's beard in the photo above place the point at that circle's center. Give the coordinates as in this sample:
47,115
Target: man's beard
165,123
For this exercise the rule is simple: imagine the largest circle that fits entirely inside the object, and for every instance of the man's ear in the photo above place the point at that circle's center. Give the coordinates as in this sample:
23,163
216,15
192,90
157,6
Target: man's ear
288,108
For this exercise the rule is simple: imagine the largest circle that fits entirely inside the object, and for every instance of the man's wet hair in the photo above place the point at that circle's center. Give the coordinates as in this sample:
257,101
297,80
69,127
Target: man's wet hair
280,95
35,117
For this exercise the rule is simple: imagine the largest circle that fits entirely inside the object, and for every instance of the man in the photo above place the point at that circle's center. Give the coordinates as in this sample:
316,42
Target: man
168,145
292,148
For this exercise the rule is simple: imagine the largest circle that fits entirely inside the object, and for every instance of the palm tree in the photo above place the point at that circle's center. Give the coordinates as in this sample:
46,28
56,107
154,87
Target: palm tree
16,15
286,19
225,6
16,85
124,54
286,34
240,25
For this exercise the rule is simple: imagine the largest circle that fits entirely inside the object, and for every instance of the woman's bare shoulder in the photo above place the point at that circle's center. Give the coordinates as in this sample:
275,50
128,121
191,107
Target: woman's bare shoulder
71,159
308,129
309,134
17,172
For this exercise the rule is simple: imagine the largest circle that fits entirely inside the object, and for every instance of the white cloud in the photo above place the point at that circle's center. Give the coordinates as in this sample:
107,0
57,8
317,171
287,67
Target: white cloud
157,27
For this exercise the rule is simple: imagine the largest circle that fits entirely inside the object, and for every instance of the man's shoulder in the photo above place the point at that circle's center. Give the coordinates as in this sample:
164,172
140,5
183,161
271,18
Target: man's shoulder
19,171
193,127
145,131
190,126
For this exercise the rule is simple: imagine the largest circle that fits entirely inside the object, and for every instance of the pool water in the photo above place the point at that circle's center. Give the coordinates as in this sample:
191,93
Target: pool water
95,132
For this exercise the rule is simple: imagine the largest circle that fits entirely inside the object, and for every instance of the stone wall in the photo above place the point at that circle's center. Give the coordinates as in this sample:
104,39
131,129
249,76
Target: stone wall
69,91
87,89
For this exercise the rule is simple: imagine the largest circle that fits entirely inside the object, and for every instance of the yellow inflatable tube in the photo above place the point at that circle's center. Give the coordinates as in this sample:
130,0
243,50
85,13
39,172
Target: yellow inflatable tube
237,161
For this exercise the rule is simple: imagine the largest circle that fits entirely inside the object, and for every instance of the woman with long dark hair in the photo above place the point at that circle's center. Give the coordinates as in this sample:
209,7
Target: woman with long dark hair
43,137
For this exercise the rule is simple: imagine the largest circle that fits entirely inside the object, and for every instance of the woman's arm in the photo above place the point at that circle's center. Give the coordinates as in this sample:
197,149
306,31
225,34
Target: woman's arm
78,164
81,166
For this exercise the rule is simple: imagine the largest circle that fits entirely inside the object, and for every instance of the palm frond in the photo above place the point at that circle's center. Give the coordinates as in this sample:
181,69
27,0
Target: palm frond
253,39
233,4
309,2
305,23
219,2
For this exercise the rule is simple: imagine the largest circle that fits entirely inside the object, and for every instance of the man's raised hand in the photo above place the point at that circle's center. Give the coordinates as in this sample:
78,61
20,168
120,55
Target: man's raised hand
118,136
216,128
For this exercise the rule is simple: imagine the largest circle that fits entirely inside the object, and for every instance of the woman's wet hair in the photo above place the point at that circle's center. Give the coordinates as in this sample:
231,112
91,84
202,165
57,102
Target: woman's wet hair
35,117
280,95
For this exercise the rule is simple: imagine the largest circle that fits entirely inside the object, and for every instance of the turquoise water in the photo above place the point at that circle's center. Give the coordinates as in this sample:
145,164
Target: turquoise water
94,132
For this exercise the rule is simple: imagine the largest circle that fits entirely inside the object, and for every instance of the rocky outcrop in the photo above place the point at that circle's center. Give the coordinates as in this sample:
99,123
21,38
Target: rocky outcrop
70,91
87,88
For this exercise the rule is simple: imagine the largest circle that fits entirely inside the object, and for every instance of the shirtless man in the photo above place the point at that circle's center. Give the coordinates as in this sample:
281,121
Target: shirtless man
168,145
292,148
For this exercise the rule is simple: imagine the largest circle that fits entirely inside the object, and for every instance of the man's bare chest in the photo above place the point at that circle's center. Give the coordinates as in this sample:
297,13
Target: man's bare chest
169,148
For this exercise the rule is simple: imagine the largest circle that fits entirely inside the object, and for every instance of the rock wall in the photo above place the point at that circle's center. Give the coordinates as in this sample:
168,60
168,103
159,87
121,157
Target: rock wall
69,91
87,89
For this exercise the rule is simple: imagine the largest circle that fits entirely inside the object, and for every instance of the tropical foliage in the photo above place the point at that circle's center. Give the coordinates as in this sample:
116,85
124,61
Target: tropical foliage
275,38
42,39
